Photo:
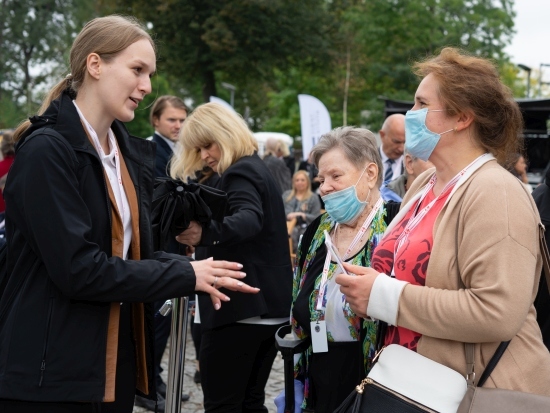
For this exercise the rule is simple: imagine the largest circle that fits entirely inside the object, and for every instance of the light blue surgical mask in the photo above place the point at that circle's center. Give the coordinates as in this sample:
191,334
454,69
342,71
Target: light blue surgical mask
420,142
344,206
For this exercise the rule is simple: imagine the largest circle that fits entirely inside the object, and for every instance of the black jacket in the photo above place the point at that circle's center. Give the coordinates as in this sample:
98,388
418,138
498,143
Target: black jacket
62,277
541,195
164,154
253,233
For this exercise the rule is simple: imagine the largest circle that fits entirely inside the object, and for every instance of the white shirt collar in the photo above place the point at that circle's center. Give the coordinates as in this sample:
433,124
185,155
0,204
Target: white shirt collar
170,143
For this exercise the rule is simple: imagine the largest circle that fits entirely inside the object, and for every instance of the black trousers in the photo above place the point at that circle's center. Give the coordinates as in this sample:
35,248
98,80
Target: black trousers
333,375
235,362
125,381
196,334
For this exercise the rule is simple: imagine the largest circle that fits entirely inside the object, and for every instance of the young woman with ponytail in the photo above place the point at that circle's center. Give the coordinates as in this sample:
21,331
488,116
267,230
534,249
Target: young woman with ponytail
75,332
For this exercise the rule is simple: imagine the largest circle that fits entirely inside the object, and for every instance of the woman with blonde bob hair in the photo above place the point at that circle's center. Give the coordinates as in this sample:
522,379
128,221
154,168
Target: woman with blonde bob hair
212,123
75,323
238,342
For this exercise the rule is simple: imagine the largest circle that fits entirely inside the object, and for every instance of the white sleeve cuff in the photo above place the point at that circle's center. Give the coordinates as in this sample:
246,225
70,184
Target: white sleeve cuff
384,298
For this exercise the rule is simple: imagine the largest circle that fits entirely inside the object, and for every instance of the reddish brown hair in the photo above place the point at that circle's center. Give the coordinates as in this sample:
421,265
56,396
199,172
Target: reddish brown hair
472,84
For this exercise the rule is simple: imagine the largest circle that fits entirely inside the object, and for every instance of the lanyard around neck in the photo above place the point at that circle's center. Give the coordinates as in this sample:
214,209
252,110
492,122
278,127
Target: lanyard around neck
452,185
321,298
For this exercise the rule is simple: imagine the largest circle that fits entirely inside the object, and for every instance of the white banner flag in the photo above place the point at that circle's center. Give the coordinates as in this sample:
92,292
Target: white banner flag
315,121
222,102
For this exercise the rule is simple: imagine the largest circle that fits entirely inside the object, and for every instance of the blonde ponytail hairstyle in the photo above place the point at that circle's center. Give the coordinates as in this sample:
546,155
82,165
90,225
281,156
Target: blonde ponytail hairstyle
108,37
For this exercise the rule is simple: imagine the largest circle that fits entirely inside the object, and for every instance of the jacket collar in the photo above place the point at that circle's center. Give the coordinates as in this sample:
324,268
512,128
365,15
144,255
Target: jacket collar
63,117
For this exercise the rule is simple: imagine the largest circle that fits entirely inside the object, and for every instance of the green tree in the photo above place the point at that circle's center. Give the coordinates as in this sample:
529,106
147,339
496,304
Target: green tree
35,36
372,51
201,42
392,34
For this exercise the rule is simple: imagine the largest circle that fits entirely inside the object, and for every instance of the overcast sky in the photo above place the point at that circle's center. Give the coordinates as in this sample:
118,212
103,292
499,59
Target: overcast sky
531,43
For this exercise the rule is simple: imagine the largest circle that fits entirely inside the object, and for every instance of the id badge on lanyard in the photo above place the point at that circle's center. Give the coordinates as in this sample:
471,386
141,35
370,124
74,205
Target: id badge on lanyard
319,339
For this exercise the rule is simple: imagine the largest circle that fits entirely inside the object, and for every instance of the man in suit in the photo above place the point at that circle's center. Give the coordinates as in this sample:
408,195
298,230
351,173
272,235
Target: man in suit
392,136
167,116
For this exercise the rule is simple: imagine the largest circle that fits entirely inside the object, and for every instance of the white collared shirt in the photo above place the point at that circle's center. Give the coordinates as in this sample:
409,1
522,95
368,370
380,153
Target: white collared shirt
397,166
170,143
111,164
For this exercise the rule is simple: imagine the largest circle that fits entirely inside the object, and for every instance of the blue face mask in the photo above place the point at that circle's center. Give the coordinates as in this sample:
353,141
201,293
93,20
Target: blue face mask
344,206
420,142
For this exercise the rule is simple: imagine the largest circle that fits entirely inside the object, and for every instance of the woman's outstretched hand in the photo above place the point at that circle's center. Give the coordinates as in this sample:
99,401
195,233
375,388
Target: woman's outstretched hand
212,275
357,288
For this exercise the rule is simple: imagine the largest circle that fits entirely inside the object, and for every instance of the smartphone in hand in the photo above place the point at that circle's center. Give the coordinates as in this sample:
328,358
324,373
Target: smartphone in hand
334,252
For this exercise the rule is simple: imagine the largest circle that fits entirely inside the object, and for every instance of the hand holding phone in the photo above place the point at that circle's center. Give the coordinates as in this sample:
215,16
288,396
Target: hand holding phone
334,252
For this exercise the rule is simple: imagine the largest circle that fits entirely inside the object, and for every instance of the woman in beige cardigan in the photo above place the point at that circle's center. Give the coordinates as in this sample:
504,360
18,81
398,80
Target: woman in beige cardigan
463,252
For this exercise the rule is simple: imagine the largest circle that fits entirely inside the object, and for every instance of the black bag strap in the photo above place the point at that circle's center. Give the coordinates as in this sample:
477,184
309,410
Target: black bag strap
493,362
545,255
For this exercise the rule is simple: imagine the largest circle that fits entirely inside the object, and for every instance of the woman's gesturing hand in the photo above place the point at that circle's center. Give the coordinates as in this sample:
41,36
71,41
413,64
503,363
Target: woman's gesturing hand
357,288
212,275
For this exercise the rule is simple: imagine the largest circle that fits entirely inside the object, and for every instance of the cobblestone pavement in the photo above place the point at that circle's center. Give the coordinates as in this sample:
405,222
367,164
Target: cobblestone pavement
194,405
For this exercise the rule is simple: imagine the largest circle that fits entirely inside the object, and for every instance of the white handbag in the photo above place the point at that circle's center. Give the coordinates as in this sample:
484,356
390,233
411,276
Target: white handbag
405,381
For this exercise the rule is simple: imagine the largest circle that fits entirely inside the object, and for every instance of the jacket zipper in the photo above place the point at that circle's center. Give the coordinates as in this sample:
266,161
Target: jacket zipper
45,349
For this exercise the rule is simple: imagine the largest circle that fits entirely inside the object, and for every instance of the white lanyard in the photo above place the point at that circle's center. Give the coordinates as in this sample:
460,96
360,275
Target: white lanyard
457,180
321,301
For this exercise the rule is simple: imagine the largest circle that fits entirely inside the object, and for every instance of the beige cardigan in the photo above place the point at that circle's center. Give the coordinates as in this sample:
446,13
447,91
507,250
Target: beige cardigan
495,222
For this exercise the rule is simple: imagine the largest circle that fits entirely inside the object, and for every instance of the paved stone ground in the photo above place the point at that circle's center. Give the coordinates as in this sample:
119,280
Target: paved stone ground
274,385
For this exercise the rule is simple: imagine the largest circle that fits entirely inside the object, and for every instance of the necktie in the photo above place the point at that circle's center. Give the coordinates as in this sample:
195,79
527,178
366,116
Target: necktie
389,170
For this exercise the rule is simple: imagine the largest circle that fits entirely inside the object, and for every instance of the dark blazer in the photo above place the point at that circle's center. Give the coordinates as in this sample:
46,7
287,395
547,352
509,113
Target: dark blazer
163,156
400,171
253,233
54,311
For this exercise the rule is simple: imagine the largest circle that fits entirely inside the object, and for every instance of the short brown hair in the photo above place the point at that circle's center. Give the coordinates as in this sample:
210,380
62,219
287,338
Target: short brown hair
469,83
162,102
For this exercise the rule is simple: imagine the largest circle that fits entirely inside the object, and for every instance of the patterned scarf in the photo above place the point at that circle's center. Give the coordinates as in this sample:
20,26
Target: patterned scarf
363,258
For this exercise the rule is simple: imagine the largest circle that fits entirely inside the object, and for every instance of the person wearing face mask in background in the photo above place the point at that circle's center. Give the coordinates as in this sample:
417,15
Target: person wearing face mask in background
356,217
463,252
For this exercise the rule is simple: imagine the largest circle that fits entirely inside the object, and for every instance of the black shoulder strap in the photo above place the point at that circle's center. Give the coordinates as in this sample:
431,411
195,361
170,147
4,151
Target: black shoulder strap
493,363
